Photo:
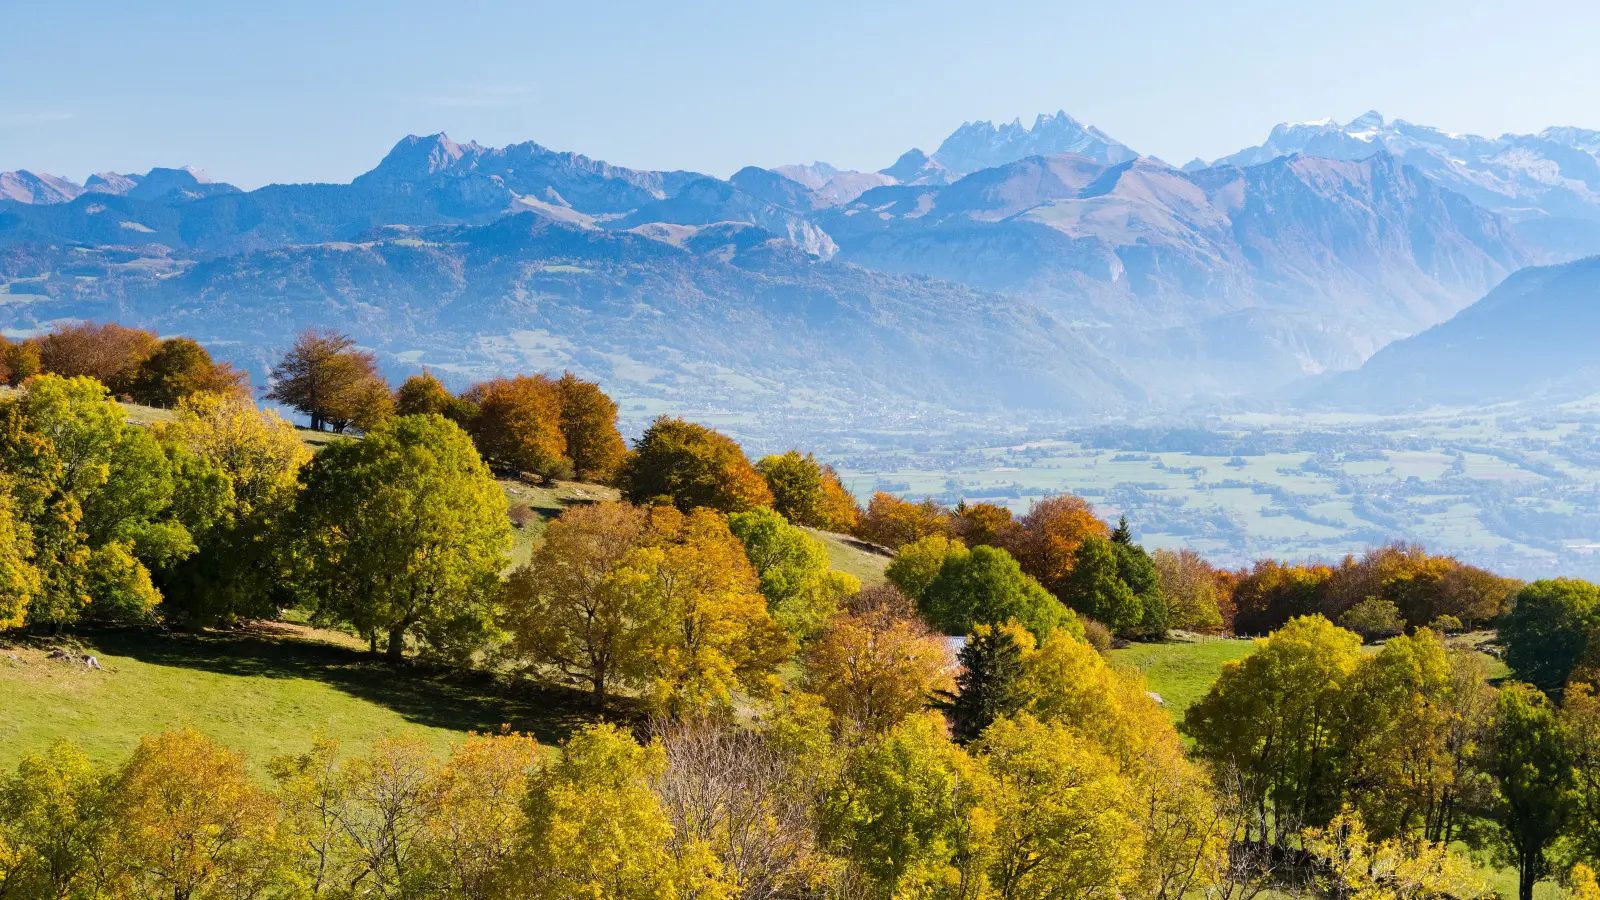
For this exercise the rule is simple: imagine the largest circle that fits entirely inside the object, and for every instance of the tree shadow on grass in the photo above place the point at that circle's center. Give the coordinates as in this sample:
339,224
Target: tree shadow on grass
440,697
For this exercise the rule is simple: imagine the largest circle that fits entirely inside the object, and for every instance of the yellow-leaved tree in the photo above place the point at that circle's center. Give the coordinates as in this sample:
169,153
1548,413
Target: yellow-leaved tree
710,634
1353,866
1065,818
571,610
190,822
596,828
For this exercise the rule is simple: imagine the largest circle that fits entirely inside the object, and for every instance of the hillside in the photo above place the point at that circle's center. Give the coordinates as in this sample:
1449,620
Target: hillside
266,690
1533,337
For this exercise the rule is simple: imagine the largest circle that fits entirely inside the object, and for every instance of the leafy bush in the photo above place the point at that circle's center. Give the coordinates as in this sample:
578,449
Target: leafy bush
1446,625
1097,635
1374,618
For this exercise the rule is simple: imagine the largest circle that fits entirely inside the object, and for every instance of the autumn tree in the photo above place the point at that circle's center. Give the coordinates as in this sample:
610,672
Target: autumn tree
571,610
1190,586
747,793
809,493
257,456
1549,629
403,532
108,353
595,828
875,668
1272,593
1580,721
20,361
55,825
1349,863
398,821
688,465
46,530
324,377
178,368
589,426
1046,544
893,522
20,580
1280,718
986,523
985,586
1063,823
104,502
421,395
478,817
1422,714
903,813
710,633
518,425
191,822
802,589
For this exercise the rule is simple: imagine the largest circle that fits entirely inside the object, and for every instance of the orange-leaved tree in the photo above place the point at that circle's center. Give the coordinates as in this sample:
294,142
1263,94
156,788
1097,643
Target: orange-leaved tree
688,466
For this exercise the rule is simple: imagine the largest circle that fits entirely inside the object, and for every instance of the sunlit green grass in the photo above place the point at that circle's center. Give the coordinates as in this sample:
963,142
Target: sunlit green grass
1181,671
264,692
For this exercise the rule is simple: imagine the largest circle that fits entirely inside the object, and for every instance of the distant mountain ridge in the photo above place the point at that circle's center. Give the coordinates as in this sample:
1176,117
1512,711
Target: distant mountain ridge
1315,263
1548,183
187,183
1165,287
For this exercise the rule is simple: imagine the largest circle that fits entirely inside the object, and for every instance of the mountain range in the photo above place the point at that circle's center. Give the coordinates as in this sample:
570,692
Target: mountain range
1045,268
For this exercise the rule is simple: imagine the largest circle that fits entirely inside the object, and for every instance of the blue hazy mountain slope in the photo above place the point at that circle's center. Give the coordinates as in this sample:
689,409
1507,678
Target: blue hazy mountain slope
1533,337
725,314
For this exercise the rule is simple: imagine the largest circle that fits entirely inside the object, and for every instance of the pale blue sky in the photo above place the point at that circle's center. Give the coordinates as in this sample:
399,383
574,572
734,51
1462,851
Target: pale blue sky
299,91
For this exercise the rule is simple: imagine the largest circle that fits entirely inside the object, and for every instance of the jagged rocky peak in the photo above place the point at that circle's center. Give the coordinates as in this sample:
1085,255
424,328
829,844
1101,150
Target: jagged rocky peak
419,156
983,145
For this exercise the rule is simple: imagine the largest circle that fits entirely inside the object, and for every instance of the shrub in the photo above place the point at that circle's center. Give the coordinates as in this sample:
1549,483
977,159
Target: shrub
1097,635
1374,618
521,515
1446,625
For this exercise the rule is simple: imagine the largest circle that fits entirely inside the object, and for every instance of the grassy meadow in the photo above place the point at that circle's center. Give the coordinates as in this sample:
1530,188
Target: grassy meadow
265,690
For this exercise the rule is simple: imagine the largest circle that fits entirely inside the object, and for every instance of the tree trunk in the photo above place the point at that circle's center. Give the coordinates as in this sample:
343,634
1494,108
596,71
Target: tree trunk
1526,876
397,642
372,642
599,681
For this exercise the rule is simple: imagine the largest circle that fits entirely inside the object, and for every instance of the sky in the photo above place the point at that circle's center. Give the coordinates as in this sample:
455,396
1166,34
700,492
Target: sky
292,91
